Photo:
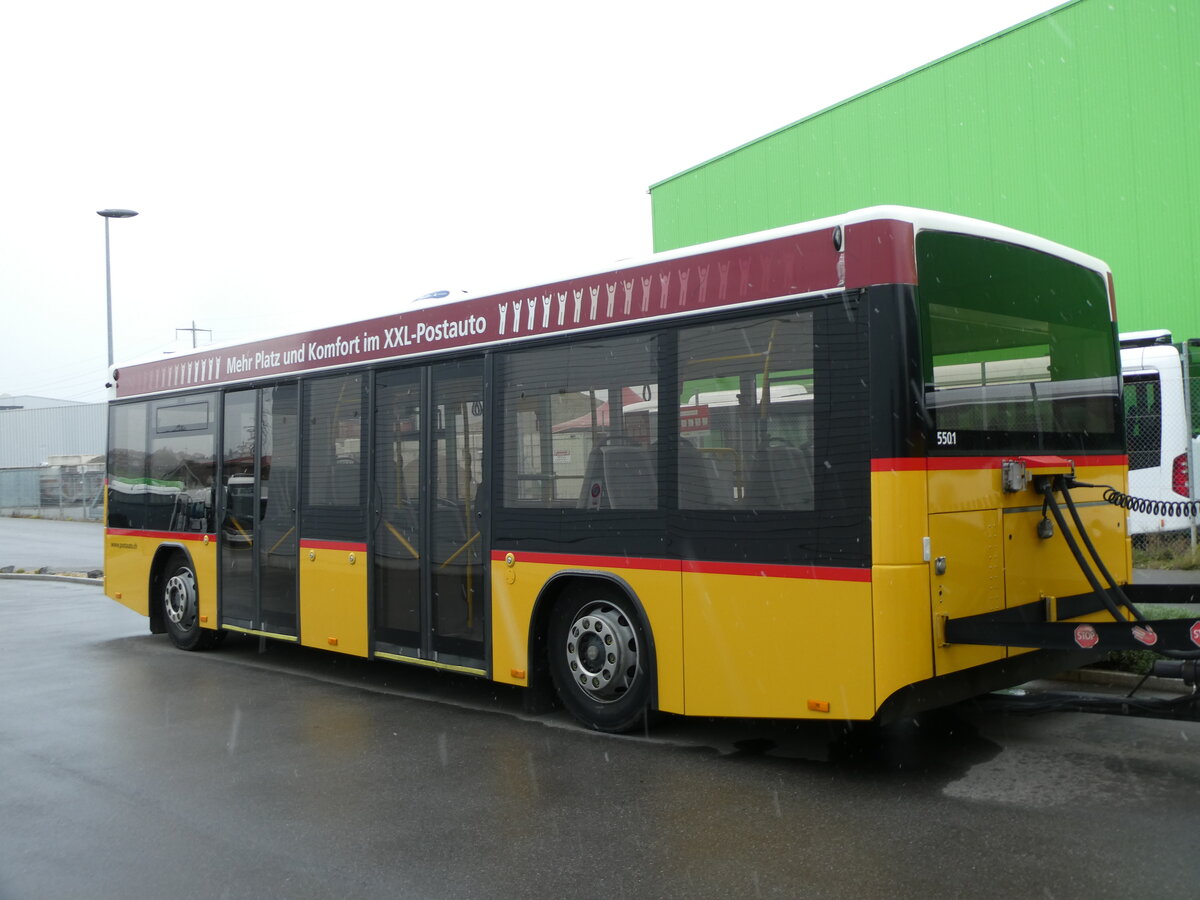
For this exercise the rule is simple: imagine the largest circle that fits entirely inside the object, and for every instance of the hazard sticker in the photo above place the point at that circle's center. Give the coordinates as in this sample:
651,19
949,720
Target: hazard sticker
1086,636
1144,635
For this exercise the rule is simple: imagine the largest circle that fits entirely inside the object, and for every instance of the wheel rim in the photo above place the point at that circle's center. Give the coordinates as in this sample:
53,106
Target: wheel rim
179,598
602,652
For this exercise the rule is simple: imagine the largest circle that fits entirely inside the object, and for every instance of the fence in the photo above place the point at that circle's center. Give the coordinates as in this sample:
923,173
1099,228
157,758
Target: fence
53,492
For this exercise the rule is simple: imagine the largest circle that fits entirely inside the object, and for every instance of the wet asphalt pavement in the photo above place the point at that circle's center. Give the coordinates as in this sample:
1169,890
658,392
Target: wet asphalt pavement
134,770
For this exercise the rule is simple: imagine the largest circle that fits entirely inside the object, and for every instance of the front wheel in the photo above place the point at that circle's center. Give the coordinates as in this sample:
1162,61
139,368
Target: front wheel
180,607
600,659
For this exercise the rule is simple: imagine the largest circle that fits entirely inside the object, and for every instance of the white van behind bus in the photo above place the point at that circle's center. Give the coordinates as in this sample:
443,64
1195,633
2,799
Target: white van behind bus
1157,427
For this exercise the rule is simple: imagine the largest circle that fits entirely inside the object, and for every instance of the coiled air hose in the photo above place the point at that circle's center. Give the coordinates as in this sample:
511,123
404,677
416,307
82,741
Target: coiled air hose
1047,487
1149,507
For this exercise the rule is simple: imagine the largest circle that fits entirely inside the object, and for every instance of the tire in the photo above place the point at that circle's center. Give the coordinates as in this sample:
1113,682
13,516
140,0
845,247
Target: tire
600,659
180,606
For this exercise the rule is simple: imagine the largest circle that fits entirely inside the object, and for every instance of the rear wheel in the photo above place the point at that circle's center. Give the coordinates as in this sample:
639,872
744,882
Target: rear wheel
180,606
600,659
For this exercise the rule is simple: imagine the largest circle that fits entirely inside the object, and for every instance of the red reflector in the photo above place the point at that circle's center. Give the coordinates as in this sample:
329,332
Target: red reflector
1179,475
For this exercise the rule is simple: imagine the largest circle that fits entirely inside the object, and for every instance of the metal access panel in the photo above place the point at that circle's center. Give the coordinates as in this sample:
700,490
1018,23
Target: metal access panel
966,572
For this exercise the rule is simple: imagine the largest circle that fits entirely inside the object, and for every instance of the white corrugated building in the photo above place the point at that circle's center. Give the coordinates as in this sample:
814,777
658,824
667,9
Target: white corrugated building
33,429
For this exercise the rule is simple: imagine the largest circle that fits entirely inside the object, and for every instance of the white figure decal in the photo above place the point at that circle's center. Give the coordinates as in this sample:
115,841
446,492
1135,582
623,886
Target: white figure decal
578,303
683,280
645,293
531,304
665,280
628,295
703,273
612,297
546,298
723,291
516,308
562,307
502,308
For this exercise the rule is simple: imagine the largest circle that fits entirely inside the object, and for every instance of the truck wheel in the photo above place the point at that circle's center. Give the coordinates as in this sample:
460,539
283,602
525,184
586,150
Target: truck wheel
180,607
600,659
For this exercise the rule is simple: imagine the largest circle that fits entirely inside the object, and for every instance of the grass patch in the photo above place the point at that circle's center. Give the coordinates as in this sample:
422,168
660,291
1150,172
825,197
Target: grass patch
1165,551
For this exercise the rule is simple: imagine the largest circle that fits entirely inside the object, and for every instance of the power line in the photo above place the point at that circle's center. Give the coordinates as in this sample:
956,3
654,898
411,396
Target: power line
193,330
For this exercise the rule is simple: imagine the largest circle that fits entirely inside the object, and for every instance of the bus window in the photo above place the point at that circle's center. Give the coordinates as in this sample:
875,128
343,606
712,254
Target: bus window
182,464
335,482
579,425
746,413
127,465
1018,348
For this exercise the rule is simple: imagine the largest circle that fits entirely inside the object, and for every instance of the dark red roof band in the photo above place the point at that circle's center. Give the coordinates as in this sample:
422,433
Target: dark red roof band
878,251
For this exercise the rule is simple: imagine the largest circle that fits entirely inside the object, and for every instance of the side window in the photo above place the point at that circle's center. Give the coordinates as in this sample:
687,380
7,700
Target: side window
579,425
746,414
182,463
127,465
1143,420
333,458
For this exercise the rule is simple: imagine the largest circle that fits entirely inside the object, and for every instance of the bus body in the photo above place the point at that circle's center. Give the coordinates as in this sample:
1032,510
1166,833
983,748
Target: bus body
794,474
1157,428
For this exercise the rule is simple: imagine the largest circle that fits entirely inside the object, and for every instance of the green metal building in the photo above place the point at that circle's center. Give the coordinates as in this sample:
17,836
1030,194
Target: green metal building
1081,125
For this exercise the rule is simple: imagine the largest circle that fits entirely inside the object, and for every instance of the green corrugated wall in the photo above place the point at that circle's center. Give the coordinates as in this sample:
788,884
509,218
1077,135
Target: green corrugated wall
1081,125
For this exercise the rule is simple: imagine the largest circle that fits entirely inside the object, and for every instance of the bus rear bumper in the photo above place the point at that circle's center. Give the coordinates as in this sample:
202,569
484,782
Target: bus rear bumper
1053,623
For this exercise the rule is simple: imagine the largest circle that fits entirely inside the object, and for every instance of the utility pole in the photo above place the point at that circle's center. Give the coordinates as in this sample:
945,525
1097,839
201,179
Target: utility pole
193,330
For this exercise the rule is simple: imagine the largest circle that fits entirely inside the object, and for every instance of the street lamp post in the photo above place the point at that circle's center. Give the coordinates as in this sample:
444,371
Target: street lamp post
111,214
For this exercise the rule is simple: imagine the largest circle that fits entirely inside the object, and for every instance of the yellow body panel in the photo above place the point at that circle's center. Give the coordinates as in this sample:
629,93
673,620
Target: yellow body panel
958,490
766,646
204,556
902,627
969,546
333,599
127,570
1040,568
898,517
515,590
128,559
1013,565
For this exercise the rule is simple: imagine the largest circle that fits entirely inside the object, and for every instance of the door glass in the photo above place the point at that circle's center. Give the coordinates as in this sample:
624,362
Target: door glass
277,543
239,517
398,482
456,514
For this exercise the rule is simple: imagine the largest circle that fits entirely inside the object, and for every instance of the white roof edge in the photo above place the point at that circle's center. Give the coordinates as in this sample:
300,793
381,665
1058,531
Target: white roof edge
921,219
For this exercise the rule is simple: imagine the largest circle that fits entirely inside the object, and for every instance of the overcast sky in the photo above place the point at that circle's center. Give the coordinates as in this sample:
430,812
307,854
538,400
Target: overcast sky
301,164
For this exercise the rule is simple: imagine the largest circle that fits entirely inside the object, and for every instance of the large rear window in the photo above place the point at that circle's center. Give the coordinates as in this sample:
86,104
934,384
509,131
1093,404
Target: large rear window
1019,349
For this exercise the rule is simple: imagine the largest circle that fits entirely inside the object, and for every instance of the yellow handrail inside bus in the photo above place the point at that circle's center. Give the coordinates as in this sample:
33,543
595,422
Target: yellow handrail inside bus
457,553
398,536
286,535
241,530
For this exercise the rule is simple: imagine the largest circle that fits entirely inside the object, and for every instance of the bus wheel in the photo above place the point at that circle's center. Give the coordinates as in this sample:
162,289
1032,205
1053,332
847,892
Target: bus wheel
599,660
180,606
